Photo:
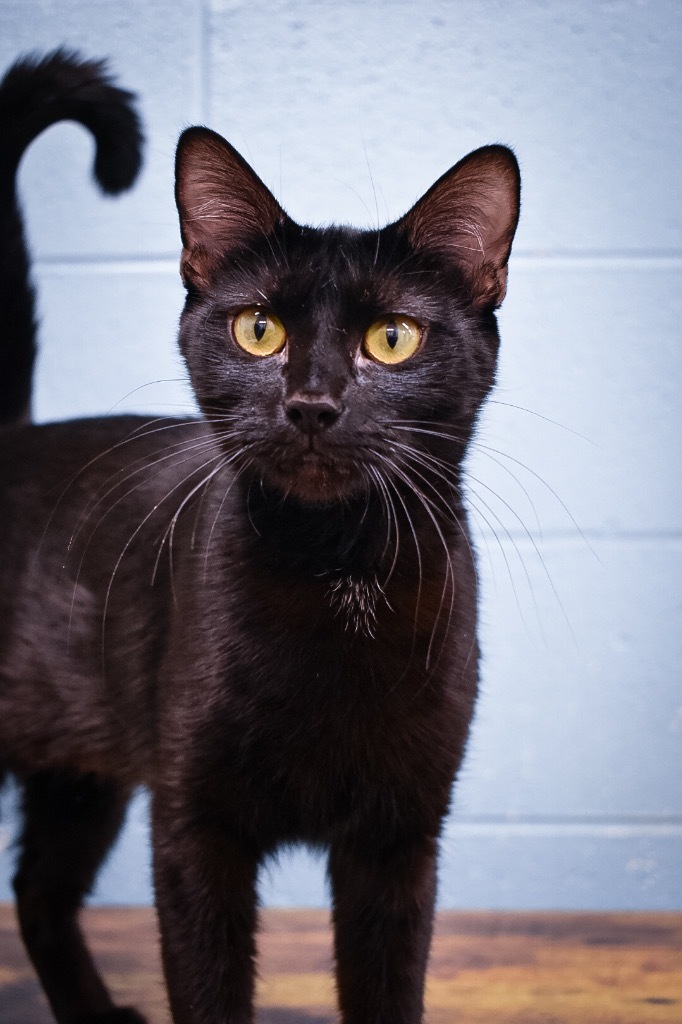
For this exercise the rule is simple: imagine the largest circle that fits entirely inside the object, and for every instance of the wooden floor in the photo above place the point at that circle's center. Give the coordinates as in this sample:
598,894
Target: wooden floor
486,968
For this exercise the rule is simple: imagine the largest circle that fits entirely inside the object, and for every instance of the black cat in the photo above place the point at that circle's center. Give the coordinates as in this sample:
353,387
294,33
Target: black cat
266,615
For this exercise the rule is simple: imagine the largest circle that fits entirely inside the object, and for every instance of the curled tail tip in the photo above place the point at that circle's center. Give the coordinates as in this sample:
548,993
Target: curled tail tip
39,90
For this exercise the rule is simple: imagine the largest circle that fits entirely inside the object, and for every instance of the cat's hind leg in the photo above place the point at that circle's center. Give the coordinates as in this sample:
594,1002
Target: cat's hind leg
70,823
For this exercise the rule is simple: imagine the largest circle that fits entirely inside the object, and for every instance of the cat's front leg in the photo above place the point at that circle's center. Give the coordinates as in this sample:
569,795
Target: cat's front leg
383,916
206,901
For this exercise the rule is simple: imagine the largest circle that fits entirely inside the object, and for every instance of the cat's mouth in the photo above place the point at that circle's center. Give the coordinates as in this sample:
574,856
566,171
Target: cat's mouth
316,478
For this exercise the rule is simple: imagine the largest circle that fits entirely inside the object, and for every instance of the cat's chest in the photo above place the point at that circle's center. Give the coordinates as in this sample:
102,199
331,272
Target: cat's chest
357,604
340,625
325,726
338,666
318,701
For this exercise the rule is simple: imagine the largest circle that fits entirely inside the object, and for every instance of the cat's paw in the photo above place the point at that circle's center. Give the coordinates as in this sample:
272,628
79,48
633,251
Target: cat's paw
118,1015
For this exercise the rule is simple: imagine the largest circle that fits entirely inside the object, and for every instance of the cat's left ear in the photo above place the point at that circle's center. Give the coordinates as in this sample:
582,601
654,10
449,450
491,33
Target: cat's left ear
223,204
469,216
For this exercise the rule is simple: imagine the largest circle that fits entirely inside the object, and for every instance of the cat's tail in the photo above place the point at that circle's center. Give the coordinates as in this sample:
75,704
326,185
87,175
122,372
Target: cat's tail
35,93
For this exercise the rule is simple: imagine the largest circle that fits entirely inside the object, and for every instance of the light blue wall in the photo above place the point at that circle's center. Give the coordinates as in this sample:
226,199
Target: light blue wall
571,795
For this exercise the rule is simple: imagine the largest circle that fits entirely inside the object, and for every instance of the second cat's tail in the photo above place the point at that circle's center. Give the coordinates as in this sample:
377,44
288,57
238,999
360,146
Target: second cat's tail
35,93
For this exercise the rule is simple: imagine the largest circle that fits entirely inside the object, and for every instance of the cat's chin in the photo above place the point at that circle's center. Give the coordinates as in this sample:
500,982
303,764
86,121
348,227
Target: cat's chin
316,481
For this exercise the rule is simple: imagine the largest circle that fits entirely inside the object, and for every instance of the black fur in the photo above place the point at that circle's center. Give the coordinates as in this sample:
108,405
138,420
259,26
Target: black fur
267,615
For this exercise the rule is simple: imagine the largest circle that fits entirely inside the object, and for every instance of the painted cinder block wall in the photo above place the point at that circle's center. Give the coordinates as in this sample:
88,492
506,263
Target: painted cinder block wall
571,795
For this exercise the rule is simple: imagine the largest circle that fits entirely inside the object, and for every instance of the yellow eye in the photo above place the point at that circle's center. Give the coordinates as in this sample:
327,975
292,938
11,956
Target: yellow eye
258,333
393,339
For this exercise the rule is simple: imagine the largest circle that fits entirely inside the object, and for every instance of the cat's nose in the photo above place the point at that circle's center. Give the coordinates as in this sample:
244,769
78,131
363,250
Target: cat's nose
312,413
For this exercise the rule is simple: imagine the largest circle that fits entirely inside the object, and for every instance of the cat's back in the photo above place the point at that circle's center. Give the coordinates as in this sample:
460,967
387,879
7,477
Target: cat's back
86,449
53,472
85,513
76,496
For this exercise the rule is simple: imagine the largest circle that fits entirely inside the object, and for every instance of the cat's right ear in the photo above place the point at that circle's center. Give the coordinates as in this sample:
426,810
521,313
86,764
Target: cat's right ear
223,204
469,217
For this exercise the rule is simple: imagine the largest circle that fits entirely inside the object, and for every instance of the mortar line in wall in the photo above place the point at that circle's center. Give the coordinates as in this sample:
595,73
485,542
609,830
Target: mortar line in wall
129,263
606,259
593,830
144,263
532,538
625,820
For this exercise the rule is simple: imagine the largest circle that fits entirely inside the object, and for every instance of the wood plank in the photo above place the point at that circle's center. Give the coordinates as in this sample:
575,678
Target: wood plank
497,968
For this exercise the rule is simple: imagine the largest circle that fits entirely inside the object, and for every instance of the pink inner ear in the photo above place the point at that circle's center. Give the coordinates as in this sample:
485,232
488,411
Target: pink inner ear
470,216
221,202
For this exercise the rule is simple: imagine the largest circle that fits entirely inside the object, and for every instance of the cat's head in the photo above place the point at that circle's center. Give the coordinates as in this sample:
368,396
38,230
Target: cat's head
326,357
